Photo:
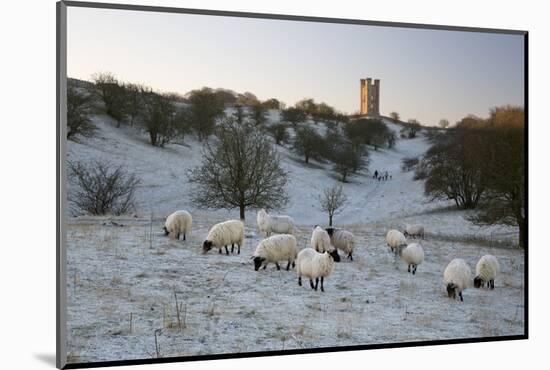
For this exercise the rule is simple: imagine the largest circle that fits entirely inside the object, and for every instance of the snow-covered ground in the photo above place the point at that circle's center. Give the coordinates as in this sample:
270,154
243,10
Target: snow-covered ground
115,272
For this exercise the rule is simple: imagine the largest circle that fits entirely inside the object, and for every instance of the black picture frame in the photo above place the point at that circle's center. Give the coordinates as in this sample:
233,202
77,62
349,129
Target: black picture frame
61,194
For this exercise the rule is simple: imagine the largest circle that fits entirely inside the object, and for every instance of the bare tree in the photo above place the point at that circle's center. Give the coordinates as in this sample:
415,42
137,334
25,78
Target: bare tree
205,107
293,116
332,201
444,123
394,116
113,95
240,169
79,105
279,132
159,119
101,188
258,114
308,143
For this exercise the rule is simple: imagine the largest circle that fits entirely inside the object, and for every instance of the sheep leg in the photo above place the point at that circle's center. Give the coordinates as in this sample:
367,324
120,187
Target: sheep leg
226,250
277,264
322,288
492,284
183,236
265,266
409,268
311,283
460,295
299,280
232,247
316,283
414,269
220,251
350,256
288,266
238,249
293,264
178,236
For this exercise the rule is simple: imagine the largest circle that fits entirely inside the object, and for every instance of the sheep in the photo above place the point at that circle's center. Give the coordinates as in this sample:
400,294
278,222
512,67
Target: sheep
268,224
223,234
178,223
395,240
413,255
414,231
315,265
276,248
457,276
342,239
320,240
487,269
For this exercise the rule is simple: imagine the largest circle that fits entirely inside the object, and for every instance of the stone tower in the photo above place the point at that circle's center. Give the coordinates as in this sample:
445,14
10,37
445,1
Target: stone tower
369,94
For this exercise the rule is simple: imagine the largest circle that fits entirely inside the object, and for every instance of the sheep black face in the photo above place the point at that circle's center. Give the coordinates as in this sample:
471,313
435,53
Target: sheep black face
335,255
406,234
330,230
451,290
258,262
165,231
206,246
478,282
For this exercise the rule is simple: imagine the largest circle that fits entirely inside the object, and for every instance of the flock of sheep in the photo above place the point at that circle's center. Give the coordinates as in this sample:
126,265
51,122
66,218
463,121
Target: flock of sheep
317,262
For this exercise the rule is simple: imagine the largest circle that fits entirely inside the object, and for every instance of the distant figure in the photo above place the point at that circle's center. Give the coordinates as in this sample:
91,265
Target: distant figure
379,178
386,176
390,177
375,174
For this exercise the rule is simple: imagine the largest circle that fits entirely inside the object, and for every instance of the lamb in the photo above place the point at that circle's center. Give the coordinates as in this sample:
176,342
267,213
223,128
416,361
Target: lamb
223,234
320,240
268,224
487,269
342,239
178,223
395,240
457,276
414,231
315,265
276,248
413,255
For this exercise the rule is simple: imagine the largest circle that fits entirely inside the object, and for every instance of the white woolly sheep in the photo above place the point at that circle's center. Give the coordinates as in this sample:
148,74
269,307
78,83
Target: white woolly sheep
276,248
223,234
268,224
395,240
487,269
315,265
178,223
413,255
342,239
320,240
414,231
457,277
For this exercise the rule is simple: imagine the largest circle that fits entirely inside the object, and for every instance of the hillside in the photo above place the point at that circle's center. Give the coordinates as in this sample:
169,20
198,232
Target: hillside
164,187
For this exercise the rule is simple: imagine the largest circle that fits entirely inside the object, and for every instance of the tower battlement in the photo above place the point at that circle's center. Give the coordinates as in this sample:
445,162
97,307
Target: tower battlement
369,95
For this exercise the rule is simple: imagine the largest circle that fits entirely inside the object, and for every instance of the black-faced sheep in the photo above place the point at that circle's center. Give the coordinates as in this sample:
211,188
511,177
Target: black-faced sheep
268,224
395,239
487,269
342,240
315,265
457,277
276,248
414,231
223,234
413,255
320,240
178,223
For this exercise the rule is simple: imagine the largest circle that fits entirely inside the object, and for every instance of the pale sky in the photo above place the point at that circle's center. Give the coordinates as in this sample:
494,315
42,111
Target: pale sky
425,74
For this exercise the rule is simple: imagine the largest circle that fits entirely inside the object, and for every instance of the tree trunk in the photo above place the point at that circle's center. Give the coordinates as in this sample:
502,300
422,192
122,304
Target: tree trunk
307,158
153,136
330,220
241,208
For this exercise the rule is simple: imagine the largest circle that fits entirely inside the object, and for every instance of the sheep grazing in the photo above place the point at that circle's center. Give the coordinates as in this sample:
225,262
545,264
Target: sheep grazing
276,248
457,276
487,269
395,240
268,224
315,265
413,255
320,240
414,231
342,240
178,223
223,234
